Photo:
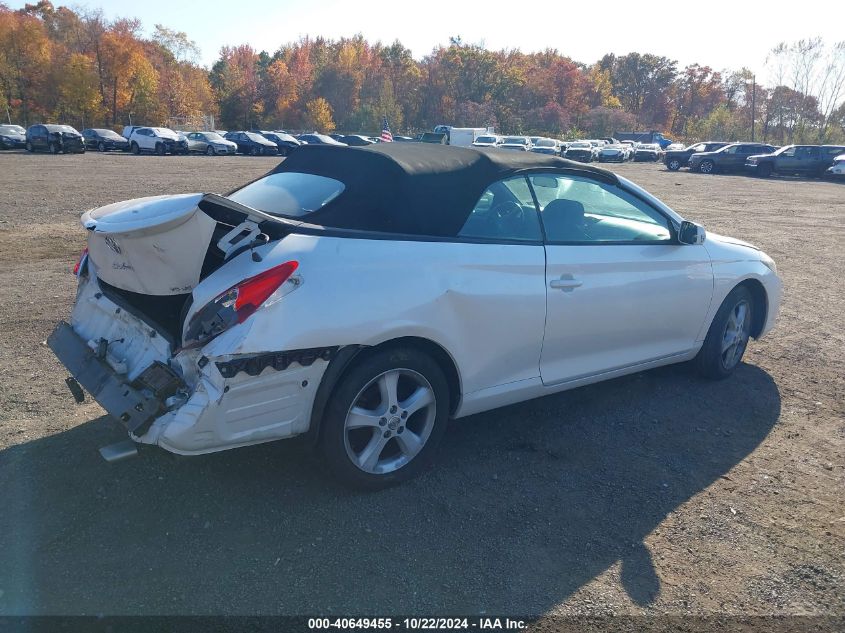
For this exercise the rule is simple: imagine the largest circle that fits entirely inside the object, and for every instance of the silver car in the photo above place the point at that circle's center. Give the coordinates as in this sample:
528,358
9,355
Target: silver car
210,143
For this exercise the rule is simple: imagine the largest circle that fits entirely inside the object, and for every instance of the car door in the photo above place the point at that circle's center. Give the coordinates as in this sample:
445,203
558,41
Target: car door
736,159
39,137
497,287
807,159
621,290
786,161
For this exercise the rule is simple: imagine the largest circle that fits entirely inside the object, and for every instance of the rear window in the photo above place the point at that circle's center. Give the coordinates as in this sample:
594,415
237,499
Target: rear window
289,194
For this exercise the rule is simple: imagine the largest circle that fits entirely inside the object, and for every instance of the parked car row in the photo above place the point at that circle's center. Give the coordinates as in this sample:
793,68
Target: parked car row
760,159
161,140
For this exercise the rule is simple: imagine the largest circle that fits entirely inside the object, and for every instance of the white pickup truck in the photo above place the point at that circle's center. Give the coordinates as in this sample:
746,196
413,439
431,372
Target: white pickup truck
158,140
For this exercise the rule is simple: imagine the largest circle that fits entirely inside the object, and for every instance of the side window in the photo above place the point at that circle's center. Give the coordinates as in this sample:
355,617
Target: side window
789,153
731,150
580,210
505,211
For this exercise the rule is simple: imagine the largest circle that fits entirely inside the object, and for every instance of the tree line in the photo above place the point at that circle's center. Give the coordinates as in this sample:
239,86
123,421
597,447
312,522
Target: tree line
75,66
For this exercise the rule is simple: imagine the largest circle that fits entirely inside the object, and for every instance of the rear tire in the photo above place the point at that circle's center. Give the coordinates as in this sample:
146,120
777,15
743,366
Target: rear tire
385,419
54,148
29,147
728,336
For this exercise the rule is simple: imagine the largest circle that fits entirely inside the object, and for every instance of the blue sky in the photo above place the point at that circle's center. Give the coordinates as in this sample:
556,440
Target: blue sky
725,34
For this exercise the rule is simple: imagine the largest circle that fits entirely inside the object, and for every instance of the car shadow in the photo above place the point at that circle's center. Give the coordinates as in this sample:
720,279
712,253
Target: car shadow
525,505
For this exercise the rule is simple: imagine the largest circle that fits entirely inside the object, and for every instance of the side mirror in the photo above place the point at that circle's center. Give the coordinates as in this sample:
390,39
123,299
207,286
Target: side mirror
691,233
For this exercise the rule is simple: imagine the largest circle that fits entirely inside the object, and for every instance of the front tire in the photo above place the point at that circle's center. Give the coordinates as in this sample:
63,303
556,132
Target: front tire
707,167
385,419
728,336
135,149
210,151
764,170
673,165
101,147
159,149
54,148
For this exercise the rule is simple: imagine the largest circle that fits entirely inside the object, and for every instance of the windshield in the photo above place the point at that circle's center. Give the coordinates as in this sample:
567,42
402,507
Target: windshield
516,140
163,130
289,194
486,139
212,136
61,128
12,129
579,145
255,137
545,142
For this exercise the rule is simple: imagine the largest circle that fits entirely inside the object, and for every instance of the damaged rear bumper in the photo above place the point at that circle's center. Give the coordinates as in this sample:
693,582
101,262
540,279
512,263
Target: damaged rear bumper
136,405
221,403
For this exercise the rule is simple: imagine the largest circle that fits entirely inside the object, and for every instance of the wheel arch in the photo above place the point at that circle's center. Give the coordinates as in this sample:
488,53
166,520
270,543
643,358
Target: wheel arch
761,304
349,355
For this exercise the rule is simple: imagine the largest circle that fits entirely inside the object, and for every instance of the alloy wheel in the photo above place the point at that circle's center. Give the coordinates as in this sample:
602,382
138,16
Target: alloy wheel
706,167
735,336
210,151
390,421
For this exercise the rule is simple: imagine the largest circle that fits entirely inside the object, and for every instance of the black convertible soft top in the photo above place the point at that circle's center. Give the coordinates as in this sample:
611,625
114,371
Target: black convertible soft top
414,188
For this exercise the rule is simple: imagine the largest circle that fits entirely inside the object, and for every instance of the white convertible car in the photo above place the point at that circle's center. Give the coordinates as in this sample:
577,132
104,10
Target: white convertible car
364,296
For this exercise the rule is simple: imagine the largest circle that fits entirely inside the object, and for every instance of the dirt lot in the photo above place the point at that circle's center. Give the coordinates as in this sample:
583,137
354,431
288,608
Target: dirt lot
653,494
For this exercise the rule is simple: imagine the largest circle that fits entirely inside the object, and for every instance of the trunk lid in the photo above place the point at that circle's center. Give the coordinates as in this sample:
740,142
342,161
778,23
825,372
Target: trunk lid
158,245
153,245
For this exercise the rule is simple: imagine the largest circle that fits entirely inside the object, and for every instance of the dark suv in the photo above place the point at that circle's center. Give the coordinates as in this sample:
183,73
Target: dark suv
677,158
728,158
54,139
807,160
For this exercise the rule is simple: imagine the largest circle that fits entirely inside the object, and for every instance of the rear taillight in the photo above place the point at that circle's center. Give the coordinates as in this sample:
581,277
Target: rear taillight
237,304
79,268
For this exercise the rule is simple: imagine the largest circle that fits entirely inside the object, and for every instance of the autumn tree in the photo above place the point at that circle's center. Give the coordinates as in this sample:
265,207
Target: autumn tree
318,115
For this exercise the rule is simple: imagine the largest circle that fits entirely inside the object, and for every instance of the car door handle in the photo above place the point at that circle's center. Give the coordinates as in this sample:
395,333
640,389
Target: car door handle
565,284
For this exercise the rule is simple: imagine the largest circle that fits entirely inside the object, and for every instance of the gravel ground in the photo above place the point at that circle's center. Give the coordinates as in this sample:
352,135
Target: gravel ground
653,494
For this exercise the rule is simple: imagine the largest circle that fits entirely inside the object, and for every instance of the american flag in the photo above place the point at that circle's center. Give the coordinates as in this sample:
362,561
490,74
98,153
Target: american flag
386,136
